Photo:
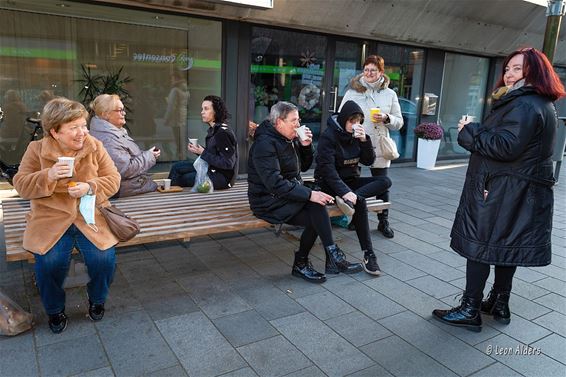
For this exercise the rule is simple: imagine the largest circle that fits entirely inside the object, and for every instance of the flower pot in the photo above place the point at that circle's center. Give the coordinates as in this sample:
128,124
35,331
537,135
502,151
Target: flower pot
427,151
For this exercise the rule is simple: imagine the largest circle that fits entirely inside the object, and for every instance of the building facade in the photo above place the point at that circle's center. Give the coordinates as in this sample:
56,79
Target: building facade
442,62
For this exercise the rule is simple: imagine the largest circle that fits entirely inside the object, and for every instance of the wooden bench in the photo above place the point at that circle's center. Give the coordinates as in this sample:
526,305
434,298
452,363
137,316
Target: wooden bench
165,216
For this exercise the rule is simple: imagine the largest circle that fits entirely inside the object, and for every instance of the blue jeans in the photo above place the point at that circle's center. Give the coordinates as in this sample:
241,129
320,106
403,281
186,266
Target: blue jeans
52,268
183,174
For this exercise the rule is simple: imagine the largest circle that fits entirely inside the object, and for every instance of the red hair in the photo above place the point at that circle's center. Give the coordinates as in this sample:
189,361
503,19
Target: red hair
538,73
375,60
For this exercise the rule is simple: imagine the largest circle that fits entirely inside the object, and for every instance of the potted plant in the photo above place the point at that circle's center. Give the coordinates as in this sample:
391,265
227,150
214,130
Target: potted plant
429,135
110,82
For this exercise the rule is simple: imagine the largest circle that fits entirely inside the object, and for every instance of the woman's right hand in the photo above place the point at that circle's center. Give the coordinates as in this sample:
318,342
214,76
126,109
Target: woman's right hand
57,171
321,198
156,152
195,149
350,196
462,123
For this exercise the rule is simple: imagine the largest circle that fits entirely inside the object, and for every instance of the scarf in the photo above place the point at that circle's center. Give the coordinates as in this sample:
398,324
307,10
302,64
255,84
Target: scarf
500,92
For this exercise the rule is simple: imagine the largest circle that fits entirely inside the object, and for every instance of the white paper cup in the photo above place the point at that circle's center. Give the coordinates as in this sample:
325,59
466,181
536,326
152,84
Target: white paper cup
357,128
159,182
69,161
166,184
467,117
193,142
302,133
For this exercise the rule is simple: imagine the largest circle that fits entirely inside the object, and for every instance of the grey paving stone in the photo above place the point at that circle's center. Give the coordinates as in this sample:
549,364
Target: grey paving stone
417,245
296,288
325,305
213,296
357,328
18,356
86,354
554,302
272,268
134,345
554,346
169,306
374,371
311,371
402,359
530,291
553,321
131,254
121,300
405,295
336,358
553,271
553,285
444,348
176,371
274,357
434,287
529,275
429,265
270,302
243,328
469,337
449,258
497,369
373,304
244,372
521,329
526,308
101,372
198,345
400,270
504,349
78,326
142,270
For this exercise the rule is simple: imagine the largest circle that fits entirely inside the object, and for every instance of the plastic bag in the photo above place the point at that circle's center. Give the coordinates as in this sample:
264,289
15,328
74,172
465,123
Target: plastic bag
203,183
13,319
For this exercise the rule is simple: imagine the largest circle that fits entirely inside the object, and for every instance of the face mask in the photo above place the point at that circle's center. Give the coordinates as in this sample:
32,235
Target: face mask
86,207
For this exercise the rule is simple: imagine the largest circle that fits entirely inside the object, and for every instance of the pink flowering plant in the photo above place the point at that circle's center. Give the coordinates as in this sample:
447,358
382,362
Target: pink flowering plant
429,131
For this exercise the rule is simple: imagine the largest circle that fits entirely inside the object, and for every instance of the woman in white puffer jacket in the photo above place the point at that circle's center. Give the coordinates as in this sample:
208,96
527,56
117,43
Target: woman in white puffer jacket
370,89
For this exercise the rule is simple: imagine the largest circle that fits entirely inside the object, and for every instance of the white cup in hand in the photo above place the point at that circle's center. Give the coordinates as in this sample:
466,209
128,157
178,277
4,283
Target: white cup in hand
70,161
193,142
302,133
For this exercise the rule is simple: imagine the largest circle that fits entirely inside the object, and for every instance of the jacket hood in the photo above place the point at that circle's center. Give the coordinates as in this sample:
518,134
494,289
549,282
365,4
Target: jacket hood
350,108
511,95
341,133
360,86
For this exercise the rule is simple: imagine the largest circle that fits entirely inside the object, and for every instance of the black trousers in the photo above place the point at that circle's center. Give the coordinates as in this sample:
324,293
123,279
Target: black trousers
477,274
363,187
314,218
381,172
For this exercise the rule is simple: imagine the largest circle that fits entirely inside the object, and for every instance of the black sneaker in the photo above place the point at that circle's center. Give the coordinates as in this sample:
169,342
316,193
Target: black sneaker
95,311
58,322
370,264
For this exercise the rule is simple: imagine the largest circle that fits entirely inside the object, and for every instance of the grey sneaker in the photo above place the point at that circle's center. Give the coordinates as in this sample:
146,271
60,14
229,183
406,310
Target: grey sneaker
346,206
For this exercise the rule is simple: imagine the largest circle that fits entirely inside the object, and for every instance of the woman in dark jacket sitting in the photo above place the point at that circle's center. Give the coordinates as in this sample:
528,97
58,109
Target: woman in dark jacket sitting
220,151
342,146
277,194
505,212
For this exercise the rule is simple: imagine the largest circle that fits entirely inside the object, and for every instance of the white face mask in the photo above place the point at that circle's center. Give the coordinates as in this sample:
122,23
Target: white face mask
87,207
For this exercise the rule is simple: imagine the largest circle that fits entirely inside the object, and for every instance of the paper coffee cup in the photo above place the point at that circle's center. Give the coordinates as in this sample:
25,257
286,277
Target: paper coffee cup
166,184
69,161
193,142
302,133
357,128
469,118
374,110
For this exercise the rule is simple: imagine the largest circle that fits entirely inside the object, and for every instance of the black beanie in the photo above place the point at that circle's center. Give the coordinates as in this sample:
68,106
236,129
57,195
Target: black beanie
350,108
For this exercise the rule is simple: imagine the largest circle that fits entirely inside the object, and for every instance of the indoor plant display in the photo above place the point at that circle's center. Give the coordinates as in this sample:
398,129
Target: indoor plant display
429,135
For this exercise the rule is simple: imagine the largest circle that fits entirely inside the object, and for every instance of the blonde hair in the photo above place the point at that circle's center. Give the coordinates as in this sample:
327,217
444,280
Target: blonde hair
103,104
59,111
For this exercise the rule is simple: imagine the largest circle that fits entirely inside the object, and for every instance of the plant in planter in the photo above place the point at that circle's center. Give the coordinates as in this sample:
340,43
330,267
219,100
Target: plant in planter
110,82
429,135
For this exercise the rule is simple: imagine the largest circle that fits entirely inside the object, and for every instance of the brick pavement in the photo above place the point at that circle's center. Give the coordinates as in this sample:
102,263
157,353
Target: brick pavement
228,306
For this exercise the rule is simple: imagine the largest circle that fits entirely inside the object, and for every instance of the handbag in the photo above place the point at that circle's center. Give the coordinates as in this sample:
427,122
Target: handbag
388,148
124,227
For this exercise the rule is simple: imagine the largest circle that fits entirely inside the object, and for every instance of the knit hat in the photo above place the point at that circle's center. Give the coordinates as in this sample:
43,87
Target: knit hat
350,108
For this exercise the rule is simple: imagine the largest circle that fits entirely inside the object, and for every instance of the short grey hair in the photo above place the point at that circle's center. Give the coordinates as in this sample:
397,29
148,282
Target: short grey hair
280,111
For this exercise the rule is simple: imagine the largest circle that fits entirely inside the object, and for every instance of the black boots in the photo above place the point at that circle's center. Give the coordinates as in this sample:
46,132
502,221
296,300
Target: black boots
302,268
383,225
497,304
466,315
336,262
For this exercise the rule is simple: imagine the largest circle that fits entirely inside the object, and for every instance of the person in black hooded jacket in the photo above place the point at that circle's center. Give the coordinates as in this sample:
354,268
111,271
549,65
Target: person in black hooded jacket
341,148
505,213
277,195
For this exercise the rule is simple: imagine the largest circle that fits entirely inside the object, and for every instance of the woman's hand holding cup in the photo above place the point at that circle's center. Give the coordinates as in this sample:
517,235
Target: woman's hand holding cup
359,132
156,152
59,170
195,148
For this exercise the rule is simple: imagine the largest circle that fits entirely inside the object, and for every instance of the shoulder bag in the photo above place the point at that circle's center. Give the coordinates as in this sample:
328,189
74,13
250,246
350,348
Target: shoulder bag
124,227
388,148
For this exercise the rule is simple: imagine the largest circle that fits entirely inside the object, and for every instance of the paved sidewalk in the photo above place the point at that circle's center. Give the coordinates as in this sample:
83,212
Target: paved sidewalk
228,306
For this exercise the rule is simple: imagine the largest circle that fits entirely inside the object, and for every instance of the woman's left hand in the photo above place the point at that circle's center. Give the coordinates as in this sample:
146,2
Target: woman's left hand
462,123
195,149
308,140
78,190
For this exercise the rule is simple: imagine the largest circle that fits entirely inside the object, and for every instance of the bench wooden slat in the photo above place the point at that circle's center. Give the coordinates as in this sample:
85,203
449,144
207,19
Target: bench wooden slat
165,216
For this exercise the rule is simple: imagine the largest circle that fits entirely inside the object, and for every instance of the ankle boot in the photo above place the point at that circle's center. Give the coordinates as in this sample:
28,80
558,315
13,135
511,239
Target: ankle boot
466,315
497,304
303,268
336,262
383,225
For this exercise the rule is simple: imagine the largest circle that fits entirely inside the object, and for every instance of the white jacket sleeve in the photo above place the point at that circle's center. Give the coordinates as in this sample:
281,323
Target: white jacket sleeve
395,116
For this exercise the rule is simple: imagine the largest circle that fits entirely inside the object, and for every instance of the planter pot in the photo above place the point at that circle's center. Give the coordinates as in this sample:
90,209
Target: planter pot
427,151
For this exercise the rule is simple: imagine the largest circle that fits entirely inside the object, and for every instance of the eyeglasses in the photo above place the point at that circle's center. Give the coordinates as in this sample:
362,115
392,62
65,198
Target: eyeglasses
368,70
123,111
298,120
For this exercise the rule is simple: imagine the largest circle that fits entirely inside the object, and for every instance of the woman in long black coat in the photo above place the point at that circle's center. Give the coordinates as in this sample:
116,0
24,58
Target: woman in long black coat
505,212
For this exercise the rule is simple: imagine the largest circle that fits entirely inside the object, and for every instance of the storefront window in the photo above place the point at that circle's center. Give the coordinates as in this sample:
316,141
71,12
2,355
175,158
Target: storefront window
164,70
287,66
463,91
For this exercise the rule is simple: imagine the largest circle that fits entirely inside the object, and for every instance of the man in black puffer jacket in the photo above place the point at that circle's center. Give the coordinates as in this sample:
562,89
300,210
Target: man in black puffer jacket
277,195
341,148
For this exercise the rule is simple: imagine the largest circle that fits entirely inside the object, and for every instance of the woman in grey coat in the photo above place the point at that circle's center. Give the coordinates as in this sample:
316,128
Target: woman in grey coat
132,163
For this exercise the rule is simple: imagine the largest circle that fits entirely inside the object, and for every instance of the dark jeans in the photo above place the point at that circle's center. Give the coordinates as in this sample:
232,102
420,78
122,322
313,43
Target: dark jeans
183,174
477,274
363,187
381,172
52,268
314,218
